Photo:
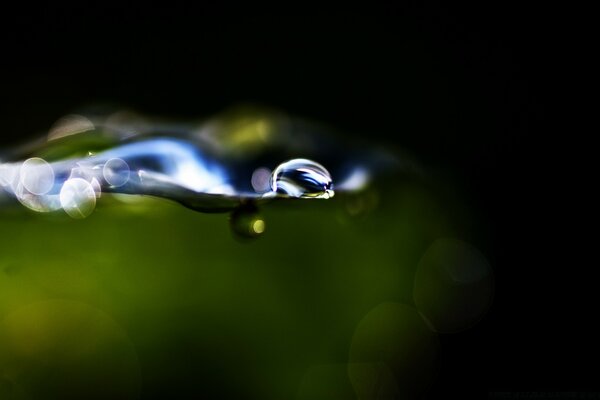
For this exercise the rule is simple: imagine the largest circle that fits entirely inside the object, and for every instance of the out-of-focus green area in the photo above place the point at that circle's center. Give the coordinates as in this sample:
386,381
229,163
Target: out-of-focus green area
148,299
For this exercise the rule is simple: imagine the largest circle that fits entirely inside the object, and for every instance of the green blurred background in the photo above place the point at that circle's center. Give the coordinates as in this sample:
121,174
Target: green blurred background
150,297
150,300
154,297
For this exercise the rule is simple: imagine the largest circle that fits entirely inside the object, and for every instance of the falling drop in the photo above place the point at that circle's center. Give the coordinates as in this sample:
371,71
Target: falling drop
246,222
302,178
78,198
116,172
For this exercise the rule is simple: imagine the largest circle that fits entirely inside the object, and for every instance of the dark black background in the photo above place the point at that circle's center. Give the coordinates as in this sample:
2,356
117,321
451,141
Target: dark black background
471,89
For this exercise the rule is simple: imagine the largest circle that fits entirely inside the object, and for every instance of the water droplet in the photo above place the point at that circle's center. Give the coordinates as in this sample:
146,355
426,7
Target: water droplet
37,176
261,180
78,198
302,178
116,172
246,222
214,173
258,226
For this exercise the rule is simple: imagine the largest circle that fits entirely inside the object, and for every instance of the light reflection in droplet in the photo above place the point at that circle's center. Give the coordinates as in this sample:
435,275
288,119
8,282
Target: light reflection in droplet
78,198
302,178
166,167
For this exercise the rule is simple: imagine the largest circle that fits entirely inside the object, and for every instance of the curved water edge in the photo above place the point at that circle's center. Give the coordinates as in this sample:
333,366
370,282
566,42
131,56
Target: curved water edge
216,166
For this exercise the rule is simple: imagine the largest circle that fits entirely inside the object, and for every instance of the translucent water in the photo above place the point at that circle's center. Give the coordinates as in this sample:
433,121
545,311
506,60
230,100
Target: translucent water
303,179
175,281
215,166
169,168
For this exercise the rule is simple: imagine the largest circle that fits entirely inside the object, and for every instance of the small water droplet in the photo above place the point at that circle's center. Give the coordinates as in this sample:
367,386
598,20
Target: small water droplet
116,172
37,176
302,178
246,222
78,198
261,180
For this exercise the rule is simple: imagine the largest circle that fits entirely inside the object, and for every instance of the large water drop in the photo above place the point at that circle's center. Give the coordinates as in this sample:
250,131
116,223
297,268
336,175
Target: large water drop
302,178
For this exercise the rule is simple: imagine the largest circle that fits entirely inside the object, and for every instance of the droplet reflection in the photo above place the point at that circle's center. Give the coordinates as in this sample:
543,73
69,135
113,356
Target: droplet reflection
302,178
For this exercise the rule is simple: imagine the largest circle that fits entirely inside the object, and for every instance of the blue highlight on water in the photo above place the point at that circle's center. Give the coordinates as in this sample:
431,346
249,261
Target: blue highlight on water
220,165
164,167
